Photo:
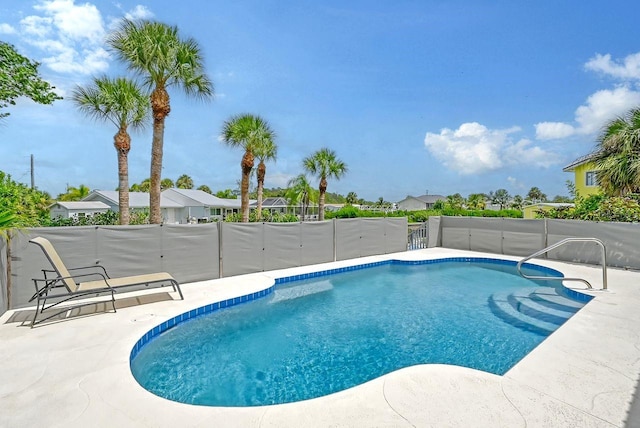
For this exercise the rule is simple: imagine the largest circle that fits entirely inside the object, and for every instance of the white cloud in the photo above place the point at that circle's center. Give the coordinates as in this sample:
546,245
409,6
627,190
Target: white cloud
70,36
553,130
6,29
77,22
627,69
139,12
473,148
600,107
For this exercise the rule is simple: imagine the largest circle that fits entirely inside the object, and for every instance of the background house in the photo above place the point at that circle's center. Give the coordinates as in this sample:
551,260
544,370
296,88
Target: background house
530,210
200,205
137,201
78,209
417,203
585,178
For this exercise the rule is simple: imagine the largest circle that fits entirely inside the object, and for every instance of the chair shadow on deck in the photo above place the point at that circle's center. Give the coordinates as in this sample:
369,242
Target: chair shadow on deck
25,316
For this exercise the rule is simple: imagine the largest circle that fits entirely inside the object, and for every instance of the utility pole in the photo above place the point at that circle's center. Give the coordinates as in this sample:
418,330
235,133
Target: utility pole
33,183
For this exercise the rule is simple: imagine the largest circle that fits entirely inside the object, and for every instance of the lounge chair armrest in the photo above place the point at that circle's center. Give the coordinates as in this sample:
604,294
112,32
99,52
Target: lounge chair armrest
104,271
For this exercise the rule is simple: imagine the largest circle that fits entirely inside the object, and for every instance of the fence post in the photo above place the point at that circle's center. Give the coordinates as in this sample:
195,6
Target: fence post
220,243
335,252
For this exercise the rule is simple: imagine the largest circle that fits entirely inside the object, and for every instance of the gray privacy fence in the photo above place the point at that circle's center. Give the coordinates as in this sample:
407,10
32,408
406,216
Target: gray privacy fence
195,252
521,237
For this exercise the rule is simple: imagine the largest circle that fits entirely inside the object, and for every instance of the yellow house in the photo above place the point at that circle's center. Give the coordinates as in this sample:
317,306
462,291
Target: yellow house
585,178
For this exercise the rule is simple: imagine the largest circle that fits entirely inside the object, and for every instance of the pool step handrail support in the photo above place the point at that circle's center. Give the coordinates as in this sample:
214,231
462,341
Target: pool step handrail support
560,243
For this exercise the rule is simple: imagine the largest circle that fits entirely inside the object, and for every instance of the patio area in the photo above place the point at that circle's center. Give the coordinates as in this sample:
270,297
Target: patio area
75,372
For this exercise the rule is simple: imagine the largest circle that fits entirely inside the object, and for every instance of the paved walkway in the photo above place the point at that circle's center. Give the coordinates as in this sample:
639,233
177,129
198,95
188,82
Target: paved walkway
75,372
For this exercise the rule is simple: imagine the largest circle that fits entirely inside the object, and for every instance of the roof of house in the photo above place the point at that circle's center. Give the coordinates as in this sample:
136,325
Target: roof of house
426,199
580,161
192,197
272,202
136,199
82,205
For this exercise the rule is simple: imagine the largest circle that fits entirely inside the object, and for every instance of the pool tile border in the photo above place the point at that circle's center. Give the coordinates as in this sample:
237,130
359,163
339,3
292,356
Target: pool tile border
212,307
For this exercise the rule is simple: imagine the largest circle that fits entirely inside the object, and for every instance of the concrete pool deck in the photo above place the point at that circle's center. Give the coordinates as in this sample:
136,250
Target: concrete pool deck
75,372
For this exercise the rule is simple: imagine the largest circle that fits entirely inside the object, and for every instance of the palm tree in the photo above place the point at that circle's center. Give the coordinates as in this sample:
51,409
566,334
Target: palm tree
166,183
299,192
205,188
75,193
184,182
156,52
476,201
121,102
617,157
246,131
324,164
351,198
264,151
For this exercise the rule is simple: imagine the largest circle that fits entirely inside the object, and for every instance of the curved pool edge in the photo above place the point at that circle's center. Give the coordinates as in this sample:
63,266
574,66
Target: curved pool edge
157,330
585,374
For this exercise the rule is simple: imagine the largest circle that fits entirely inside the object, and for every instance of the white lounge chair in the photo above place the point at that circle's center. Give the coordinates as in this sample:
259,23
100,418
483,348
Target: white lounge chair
61,285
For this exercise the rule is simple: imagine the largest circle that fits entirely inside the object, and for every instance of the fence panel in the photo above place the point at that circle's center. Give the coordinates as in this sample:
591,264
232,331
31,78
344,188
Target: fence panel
4,302
372,236
242,248
191,252
522,237
395,233
485,234
282,244
316,242
348,238
455,233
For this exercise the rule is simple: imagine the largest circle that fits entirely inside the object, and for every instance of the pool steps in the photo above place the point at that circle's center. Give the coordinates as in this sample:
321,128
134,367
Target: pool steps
540,311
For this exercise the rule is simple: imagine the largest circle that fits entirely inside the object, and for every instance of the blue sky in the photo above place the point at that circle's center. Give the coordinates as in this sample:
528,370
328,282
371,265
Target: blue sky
445,96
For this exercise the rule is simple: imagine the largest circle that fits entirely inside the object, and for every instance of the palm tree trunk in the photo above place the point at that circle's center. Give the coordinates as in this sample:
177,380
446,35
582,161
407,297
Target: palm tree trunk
122,142
160,107
262,169
323,190
247,166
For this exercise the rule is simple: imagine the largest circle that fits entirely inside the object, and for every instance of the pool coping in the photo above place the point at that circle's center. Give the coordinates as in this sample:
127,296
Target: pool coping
584,374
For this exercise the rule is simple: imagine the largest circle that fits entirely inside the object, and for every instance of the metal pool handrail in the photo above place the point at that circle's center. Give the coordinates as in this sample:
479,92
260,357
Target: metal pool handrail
560,243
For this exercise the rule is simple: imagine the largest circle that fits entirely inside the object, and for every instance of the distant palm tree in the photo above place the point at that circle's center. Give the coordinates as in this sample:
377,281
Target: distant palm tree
184,182
617,157
264,151
166,183
205,188
121,102
246,131
156,52
75,193
300,192
352,198
324,164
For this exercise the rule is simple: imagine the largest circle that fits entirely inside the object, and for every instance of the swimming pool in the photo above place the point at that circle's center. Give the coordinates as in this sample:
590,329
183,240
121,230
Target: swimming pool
325,333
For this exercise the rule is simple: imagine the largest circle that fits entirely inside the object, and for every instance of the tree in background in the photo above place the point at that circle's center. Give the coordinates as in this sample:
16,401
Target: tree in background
74,193
166,183
21,205
184,182
301,193
19,78
499,197
205,188
157,53
265,150
455,201
226,194
352,198
535,195
324,164
476,201
246,131
517,202
121,102
617,156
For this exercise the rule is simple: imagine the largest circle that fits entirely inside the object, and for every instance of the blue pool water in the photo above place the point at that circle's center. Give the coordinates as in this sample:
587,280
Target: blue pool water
313,337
